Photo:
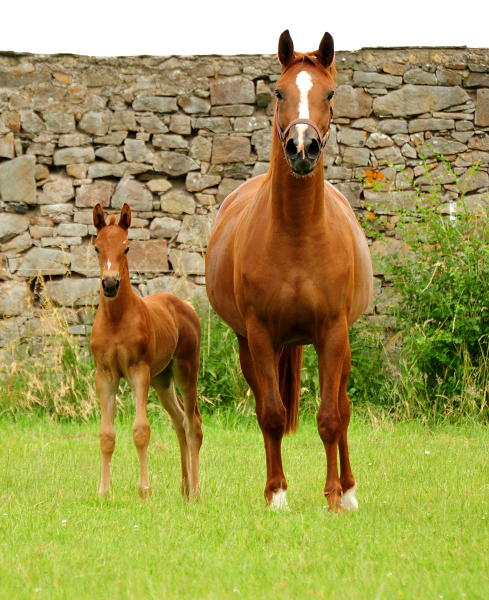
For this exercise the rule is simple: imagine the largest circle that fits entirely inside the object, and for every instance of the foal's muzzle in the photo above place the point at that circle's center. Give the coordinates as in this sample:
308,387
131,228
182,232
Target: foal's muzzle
110,285
302,149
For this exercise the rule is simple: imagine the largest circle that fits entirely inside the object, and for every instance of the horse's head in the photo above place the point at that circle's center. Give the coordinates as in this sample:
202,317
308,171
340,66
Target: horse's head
112,247
304,93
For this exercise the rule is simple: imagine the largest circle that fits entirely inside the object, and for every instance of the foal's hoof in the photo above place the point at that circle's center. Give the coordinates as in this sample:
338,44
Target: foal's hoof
279,502
145,492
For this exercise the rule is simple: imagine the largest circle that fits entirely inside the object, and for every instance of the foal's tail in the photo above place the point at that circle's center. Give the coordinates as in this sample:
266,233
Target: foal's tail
289,373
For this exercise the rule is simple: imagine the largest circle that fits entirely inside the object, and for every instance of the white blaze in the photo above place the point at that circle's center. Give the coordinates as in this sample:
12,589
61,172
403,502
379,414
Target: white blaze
304,83
108,265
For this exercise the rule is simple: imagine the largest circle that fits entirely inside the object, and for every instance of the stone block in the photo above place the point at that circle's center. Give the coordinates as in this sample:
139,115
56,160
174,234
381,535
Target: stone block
73,156
69,140
59,213
482,108
158,185
72,230
196,182
352,137
173,163
74,292
39,231
250,124
379,140
187,263
232,90
376,80
169,141
178,202
180,124
356,157
196,230
133,193
57,191
232,149
148,256
416,100
436,146
393,126
15,298
84,260
135,150
123,120
100,169
115,138
157,104
17,181
201,148
7,149
30,122
351,191
388,202
164,227
418,76
109,154
214,124
480,80
17,245
391,155
60,242
479,142
96,122
263,93
44,261
226,187
193,105
60,120
417,125
98,192
233,110
352,102
260,168
182,287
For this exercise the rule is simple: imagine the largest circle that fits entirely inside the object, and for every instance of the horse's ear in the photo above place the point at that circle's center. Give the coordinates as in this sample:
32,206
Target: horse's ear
125,220
326,50
285,48
98,217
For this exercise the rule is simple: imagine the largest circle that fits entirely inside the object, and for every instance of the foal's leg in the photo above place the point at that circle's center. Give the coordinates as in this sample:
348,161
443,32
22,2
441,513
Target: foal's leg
185,372
260,367
348,501
139,381
163,384
107,386
331,353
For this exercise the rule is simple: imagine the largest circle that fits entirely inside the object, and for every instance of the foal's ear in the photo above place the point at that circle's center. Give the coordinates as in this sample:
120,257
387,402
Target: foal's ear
98,217
326,50
285,48
125,220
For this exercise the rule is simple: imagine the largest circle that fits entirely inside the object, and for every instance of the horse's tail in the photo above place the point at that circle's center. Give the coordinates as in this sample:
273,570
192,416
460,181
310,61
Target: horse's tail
289,373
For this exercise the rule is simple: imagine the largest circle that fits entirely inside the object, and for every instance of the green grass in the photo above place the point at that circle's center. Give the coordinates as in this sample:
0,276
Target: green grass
422,530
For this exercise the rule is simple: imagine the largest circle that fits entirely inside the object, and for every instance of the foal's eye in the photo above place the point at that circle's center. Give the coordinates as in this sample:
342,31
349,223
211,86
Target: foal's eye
126,250
96,250
278,93
330,96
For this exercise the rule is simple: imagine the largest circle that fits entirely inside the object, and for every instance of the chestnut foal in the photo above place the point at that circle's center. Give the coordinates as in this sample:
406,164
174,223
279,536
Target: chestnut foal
150,341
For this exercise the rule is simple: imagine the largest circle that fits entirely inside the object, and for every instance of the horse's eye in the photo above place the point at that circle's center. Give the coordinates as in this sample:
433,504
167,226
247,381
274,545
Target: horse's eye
97,250
278,93
330,96
126,250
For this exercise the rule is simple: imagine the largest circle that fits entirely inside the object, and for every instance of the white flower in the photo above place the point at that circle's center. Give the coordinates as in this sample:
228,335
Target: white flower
426,451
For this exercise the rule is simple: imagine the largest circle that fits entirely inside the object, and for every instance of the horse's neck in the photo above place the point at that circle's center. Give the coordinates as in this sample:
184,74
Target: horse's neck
114,309
298,203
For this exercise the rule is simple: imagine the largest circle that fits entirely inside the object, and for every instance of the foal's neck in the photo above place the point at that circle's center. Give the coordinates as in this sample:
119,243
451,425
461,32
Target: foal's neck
297,202
115,308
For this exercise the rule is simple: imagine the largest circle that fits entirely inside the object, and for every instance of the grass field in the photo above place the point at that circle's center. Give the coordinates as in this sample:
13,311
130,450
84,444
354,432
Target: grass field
422,530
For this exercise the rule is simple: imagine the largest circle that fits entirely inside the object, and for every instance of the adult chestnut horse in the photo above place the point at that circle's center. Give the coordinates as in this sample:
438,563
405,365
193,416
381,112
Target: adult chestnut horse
149,341
288,265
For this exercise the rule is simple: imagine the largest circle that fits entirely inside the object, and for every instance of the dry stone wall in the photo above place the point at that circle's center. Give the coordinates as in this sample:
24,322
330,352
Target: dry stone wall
172,136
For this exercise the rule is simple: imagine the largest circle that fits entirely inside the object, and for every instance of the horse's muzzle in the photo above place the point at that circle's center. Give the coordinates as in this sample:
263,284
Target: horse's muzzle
110,286
302,150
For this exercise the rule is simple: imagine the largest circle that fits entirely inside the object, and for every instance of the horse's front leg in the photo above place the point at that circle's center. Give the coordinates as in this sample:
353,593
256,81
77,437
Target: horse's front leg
107,385
331,349
348,501
259,361
139,381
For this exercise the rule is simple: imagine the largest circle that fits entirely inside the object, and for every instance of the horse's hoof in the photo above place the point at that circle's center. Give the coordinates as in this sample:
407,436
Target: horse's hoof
348,500
145,492
279,502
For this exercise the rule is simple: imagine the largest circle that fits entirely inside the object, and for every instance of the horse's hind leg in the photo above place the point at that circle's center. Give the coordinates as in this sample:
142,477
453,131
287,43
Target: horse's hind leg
185,372
331,352
349,501
107,386
139,381
163,385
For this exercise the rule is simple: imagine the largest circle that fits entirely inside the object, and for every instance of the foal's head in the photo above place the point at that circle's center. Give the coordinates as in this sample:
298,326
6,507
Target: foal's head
112,247
304,93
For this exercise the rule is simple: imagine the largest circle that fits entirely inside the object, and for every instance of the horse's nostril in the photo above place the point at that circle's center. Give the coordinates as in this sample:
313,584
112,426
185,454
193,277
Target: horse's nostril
313,150
290,149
